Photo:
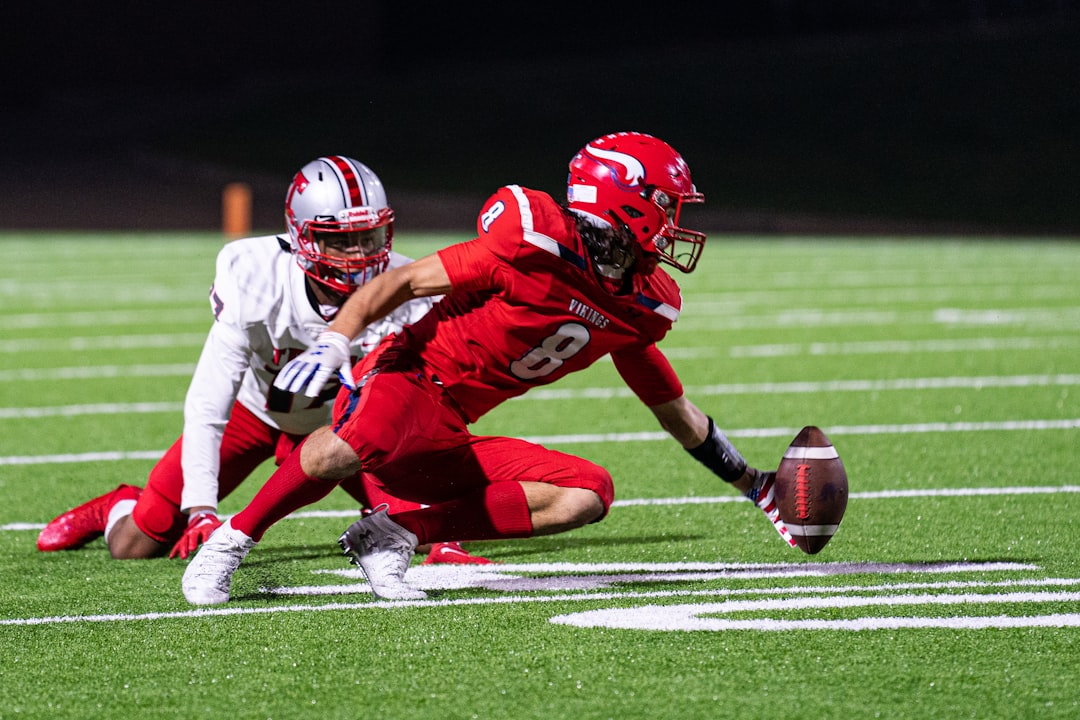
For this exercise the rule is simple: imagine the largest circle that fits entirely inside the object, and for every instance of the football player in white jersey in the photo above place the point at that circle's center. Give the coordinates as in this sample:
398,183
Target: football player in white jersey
272,297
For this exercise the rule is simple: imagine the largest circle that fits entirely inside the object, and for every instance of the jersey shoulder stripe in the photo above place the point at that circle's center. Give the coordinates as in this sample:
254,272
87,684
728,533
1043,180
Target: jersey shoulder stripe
538,239
659,307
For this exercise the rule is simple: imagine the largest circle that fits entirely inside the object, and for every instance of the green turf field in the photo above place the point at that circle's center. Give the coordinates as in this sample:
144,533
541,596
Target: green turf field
945,372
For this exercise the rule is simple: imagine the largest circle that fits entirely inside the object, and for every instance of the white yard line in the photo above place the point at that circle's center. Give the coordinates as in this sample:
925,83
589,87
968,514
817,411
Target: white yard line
1058,318
644,436
883,347
891,347
103,342
151,317
602,393
91,372
873,294
834,430
714,500
136,408
776,599
771,388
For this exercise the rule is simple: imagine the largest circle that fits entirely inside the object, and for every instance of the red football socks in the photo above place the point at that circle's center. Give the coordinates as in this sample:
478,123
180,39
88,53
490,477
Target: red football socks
495,512
288,489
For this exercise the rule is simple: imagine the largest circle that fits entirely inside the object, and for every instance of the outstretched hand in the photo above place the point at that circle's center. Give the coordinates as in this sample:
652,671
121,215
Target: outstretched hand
312,369
763,494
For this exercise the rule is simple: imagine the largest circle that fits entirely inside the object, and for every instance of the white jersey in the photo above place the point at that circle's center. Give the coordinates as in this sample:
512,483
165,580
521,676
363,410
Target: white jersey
263,318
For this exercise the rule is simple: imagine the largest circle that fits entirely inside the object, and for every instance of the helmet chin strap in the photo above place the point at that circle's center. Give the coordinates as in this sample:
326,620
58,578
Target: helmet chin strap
611,272
613,278
612,268
324,300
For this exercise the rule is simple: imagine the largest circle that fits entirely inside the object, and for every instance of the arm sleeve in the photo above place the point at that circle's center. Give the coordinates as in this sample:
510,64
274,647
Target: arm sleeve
648,373
405,314
471,266
479,265
210,397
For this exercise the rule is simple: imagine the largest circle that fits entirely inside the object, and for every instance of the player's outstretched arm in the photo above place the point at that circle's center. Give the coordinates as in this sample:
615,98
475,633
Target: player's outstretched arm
331,353
699,435
386,292
650,375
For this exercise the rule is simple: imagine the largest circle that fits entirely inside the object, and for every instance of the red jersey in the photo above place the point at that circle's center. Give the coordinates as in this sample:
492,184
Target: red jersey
526,309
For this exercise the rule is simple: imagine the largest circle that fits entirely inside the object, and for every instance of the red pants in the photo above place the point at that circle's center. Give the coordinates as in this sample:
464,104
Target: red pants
247,443
414,444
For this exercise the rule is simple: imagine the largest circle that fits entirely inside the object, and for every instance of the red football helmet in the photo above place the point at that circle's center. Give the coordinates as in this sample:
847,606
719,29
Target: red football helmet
339,221
638,181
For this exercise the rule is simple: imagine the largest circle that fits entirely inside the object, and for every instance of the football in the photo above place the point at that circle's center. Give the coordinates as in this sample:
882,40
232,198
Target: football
811,489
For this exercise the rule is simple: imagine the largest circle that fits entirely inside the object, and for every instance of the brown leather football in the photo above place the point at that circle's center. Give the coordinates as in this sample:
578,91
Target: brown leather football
811,489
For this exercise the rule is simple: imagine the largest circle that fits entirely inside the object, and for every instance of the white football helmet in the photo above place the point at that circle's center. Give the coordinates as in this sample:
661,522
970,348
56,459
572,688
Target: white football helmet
339,221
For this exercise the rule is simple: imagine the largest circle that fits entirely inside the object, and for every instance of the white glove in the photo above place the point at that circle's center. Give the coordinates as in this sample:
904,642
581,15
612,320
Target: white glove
310,370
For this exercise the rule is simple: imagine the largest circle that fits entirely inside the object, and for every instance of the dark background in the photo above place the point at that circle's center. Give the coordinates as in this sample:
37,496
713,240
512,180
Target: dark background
862,116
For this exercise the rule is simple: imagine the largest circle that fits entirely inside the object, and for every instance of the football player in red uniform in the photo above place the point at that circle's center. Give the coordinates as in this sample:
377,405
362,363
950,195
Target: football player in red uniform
542,291
272,297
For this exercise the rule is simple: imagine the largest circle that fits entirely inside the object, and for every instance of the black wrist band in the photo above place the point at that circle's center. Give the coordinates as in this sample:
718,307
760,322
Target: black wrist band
719,455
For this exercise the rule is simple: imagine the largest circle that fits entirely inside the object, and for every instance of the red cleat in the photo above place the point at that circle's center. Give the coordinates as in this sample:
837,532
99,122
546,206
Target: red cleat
451,553
80,525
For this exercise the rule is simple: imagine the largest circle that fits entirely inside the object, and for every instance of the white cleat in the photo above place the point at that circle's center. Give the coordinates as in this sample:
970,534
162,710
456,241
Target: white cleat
208,576
382,549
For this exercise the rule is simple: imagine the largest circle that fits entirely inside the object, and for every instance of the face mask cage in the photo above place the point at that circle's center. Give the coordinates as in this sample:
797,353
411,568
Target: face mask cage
343,254
676,246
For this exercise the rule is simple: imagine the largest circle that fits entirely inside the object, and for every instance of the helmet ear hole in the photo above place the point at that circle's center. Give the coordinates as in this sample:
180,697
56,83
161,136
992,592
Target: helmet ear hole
619,223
